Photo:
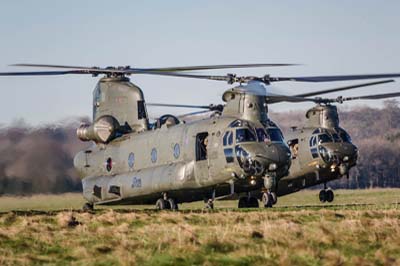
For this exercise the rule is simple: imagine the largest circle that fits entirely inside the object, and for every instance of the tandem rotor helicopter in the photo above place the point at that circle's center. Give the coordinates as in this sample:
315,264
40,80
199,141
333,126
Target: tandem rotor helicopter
235,148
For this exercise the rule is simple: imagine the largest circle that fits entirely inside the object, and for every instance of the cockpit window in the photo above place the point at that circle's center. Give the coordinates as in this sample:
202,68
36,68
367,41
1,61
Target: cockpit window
244,135
262,135
336,137
344,136
275,134
238,123
323,138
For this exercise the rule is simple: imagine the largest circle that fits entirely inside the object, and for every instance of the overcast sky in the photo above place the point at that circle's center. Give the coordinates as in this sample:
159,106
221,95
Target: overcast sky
328,37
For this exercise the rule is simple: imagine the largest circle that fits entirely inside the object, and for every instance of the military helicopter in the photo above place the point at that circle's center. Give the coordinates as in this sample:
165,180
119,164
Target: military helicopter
322,151
325,162
168,162
133,162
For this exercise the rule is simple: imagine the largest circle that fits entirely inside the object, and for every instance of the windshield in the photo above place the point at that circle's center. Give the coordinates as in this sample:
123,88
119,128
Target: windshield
262,135
275,134
244,135
323,138
336,137
344,136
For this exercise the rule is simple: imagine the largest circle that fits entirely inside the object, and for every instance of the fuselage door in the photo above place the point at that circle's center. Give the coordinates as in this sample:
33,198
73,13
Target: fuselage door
202,160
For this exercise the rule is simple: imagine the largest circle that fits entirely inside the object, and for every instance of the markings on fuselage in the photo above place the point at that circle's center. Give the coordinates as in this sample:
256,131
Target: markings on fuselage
136,182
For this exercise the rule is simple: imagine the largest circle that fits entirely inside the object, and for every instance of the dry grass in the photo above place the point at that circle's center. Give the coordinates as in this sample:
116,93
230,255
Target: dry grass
340,235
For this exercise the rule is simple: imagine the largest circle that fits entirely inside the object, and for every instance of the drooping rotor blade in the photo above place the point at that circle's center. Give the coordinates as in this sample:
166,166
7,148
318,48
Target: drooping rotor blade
42,73
371,97
275,98
343,88
179,105
335,78
212,107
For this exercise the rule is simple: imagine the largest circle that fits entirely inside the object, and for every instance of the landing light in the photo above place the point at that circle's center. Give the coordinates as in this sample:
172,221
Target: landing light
272,167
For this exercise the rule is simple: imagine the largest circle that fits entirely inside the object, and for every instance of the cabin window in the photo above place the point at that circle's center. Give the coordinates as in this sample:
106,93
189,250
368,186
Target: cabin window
201,146
131,160
141,110
177,151
109,164
245,135
294,147
153,155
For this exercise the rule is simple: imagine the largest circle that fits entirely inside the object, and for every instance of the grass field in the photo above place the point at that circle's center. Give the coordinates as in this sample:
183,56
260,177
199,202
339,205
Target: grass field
361,228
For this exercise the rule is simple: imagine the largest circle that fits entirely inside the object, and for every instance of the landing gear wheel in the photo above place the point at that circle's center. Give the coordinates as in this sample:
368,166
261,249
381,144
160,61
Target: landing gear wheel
162,204
88,207
267,199
172,204
210,204
329,195
322,196
242,202
274,198
252,202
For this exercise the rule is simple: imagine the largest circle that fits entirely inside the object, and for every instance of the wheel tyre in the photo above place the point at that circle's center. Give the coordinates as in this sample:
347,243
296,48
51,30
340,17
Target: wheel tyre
267,200
172,204
329,195
88,207
242,203
210,205
322,196
160,204
252,202
274,198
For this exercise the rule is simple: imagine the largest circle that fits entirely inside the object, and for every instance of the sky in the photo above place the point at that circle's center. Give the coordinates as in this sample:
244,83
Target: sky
327,37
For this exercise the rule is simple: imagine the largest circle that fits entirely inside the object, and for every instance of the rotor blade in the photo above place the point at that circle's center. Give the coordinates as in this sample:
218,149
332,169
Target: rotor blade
160,69
343,88
372,97
179,105
43,73
275,98
206,67
335,78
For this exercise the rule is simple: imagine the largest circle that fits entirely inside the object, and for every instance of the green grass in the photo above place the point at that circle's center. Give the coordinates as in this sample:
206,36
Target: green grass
309,198
361,228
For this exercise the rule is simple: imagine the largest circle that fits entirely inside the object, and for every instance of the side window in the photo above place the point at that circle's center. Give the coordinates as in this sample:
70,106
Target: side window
201,146
294,147
228,138
141,110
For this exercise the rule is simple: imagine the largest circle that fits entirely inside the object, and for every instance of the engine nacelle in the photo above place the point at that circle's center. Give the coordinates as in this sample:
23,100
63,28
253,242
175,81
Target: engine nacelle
103,130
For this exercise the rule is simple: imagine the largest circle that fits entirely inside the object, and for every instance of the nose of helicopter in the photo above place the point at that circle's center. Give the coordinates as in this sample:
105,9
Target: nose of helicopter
342,155
258,158
341,151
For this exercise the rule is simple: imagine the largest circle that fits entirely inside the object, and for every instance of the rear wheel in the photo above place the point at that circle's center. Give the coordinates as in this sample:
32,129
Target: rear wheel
267,199
172,204
252,202
162,204
329,195
88,207
322,196
242,202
